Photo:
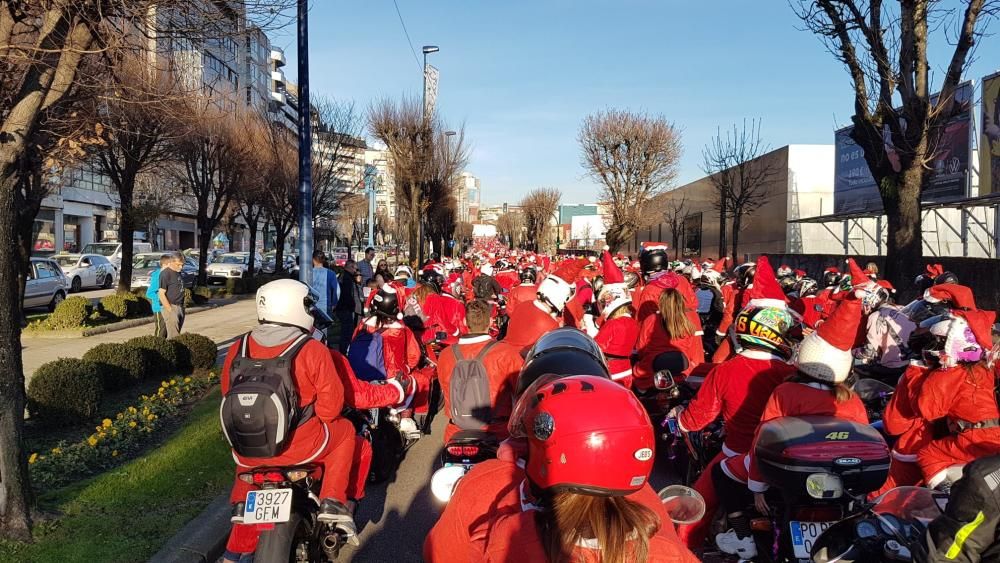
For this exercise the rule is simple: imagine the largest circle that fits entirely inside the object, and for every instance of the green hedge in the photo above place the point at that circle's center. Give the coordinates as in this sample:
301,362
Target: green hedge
198,352
121,365
65,391
161,354
115,305
71,313
201,295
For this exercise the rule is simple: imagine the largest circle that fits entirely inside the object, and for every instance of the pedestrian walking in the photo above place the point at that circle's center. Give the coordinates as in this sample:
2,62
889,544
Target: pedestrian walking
325,284
171,294
350,305
153,294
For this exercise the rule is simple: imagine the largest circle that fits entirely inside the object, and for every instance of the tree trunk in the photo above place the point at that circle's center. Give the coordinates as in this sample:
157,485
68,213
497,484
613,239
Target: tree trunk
279,250
27,211
126,230
252,225
904,246
413,228
722,226
204,239
737,222
15,486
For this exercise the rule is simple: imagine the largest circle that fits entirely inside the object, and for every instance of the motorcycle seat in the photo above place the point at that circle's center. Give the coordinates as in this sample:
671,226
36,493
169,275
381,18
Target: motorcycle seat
473,437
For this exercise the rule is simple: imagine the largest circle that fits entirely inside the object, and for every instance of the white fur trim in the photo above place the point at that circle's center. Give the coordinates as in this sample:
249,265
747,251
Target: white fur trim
474,339
621,375
729,452
396,384
388,288
952,474
819,359
764,302
757,486
761,355
607,248
725,469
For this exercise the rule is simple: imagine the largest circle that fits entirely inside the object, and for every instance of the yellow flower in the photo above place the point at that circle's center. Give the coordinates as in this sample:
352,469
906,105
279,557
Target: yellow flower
92,441
106,423
151,417
132,409
173,382
187,380
114,453
163,384
33,458
56,451
114,432
131,424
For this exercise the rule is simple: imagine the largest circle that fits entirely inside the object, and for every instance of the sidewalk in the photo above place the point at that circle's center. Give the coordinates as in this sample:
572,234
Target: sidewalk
219,324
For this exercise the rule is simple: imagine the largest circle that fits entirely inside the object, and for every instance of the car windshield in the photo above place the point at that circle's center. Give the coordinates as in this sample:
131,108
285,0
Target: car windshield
152,261
104,249
231,259
67,260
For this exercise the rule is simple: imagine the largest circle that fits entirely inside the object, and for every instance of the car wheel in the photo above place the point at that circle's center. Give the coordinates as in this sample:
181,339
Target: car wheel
56,300
108,282
75,285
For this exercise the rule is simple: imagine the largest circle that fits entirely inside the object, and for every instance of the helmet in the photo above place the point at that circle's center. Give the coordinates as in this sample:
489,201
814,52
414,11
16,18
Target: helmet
612,297
286,302
501,265
921,310
454,285
831,278
787,283
562,351
486,270
403,272
631,279
953,342
432,277
946,277
874,297
923,282
598,284
744,274
588,435
385,304
784,271
765,327
528,275
653,260
711,278
806,286
555,292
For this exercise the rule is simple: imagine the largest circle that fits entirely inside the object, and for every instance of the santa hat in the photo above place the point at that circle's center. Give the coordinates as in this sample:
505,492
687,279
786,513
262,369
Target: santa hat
650,246
615,293
831,270
825,355
612,273
765,291
934,270
959,296
887,285
557,288
801,274
858,276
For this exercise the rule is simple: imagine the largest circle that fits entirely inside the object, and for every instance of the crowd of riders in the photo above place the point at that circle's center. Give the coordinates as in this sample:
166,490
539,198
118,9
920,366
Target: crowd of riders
555,356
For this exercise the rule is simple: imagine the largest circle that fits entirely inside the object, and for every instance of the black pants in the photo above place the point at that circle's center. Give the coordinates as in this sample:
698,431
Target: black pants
733,495
348,322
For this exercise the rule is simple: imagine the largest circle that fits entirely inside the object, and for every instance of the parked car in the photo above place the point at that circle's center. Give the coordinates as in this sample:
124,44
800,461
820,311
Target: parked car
232,265
87,270
46,285
113,250
144,264
267,266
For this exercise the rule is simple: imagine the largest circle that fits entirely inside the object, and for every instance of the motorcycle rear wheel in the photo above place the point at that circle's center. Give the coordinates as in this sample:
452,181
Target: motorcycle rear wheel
281,545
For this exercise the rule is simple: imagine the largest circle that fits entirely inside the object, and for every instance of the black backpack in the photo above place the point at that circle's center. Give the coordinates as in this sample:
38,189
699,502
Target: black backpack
261,409
469,391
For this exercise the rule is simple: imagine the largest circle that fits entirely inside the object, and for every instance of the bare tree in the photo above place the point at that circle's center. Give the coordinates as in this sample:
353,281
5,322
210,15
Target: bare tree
280,186
511,228
674,212
634,157
740,177
539,208
885,51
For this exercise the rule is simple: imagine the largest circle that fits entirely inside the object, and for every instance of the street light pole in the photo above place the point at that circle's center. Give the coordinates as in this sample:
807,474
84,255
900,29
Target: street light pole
427,49
370,174
305,149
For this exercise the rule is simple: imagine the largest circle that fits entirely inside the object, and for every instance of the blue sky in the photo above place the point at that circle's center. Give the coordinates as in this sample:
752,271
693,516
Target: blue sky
522,74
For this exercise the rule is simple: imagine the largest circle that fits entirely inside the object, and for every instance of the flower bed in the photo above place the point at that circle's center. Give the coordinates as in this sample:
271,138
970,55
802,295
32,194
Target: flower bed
115,438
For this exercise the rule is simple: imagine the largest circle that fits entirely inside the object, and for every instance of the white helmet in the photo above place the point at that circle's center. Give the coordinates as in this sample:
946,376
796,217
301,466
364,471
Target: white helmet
555,293
486,270
286,302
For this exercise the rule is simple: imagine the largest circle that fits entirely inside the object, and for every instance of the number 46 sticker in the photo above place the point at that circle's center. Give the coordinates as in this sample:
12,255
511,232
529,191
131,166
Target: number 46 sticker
838,435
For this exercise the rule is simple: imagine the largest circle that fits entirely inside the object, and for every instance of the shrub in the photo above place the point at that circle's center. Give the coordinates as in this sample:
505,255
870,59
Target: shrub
71,313
236,286
188,298
116,306
161,354
67,390
201,350
201,295
121,365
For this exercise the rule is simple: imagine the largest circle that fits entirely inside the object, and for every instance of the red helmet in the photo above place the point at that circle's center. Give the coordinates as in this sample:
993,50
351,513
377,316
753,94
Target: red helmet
588,435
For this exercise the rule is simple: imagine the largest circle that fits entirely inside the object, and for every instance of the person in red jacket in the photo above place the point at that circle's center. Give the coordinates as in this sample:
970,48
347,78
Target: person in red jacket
823,364
619,331
445,311
902,419
284,311
590,453
524,293
533,319
738,389
501,368
505,275
671,329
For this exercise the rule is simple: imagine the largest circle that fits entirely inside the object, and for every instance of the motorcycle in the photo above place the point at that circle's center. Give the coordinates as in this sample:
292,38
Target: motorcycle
819,469
284,507
462,452
892,528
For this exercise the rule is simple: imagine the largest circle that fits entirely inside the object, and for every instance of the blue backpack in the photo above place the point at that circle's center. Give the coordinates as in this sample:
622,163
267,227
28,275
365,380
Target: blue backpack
366,357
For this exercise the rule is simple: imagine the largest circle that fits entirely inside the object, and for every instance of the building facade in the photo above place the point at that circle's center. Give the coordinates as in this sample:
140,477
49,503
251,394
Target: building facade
468,196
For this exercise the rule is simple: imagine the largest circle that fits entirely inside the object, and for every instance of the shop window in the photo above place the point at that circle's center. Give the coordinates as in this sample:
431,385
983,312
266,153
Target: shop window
692,235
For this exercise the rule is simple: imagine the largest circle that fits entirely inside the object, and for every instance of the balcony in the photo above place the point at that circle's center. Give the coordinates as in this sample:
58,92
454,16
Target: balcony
278,57
278,76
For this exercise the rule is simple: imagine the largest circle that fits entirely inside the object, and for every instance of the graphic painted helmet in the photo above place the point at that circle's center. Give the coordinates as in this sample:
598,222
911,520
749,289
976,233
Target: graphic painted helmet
765,327
874,297
612,297
631,279
954,342
528,275
588,435
598,284
806,286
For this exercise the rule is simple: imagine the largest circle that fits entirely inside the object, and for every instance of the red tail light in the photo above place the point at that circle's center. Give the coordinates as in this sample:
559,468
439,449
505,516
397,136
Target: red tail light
470,450
455,451
818,514
268,477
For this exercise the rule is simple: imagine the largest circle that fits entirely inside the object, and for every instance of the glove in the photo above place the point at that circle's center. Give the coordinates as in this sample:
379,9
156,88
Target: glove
405,383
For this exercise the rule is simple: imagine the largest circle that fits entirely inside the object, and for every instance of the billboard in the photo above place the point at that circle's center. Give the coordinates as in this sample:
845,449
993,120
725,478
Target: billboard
989,143
854,188
589,228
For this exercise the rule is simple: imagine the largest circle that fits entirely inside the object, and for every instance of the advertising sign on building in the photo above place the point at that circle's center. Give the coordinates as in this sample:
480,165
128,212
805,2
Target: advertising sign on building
989,143
855,189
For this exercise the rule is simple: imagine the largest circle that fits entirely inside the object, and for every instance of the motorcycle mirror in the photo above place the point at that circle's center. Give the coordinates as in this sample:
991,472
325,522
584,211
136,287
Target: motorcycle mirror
444,481
441,336
663,380
684,505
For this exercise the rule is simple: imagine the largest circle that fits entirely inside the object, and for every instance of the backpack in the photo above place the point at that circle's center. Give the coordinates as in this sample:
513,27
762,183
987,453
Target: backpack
469,391
366,356
261,409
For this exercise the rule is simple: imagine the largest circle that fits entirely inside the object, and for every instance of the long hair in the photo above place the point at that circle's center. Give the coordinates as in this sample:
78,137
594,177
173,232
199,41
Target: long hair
421,292
674,315
621,527
840,391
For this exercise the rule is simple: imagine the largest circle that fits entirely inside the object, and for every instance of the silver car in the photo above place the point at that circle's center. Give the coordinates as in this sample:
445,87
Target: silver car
46,285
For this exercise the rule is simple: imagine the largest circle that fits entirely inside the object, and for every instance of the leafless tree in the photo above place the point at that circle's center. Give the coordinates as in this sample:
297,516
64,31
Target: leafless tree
674,208
634,157
884,47
740,177
511,228
539,209
280,186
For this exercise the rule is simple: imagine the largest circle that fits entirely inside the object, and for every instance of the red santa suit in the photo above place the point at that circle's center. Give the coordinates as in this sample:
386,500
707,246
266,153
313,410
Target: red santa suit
507,279
729,297
444,314
811,310
617,338
653,341
529,322
501,368
901,418
400,349
524,293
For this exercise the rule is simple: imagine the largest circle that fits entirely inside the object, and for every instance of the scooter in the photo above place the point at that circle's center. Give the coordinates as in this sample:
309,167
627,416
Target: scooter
462,452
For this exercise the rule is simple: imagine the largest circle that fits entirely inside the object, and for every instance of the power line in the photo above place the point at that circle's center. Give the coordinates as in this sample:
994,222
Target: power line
407,33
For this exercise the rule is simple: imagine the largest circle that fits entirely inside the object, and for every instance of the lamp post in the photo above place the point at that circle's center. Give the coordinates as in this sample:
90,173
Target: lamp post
371,175
305,148
427,49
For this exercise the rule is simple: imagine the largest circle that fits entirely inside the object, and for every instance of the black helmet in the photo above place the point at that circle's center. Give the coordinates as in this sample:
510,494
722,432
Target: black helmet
563,352
653,260
744,274
528,275
923,283
806,286
787,284
433,278
946,277
385,304
831,278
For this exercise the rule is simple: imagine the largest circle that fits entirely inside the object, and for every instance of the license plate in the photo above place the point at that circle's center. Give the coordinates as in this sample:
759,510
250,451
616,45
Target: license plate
804,536
268,507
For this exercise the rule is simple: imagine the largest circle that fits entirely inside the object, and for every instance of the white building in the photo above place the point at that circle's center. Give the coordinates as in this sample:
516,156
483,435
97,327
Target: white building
468,195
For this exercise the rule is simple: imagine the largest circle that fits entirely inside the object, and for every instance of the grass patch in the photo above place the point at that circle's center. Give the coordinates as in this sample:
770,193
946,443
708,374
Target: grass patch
128,513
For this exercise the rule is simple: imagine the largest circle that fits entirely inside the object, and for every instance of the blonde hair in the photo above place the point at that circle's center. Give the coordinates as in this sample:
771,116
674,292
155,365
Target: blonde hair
674,315
621,527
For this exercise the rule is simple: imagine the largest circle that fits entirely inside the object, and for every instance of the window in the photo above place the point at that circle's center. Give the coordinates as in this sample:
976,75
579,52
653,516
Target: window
43,271
692,235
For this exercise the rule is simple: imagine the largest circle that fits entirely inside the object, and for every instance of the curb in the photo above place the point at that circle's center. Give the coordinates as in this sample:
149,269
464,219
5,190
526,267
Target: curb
143,321
203,539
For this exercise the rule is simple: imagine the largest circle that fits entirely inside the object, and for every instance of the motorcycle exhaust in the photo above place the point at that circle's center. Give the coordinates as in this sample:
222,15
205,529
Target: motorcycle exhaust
331,545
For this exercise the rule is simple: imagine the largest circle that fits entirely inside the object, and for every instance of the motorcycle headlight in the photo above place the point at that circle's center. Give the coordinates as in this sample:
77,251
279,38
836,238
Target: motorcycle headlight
444,480
824,486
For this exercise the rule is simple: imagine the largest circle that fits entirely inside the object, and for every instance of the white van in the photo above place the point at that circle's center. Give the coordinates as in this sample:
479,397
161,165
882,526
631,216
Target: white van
113,250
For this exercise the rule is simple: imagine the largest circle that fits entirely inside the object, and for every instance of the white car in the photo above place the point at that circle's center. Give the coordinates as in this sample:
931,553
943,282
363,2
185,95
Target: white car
232,265
46,285
113,250
87,270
